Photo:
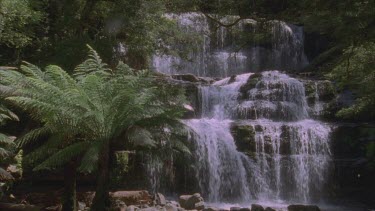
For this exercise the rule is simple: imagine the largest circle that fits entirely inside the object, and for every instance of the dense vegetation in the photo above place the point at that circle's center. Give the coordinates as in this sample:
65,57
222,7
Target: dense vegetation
77,114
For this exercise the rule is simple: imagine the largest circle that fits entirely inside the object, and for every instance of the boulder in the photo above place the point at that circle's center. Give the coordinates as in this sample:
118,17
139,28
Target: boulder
256,207
211,209
151,209
300,207
191,202
131,208
119,205
132,197
245,209
86,197
18,207
269,209
235,208
189,112
171,207
160,199
82,205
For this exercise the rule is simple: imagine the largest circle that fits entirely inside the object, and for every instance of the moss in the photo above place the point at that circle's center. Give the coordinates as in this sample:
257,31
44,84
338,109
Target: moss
119,168
250,84
244,137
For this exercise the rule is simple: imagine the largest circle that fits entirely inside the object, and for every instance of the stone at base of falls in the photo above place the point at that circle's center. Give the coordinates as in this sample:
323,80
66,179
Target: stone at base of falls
171,207
192,202
269,209
256,207
235,208
299,207
18,207
132,197
211,209
160,199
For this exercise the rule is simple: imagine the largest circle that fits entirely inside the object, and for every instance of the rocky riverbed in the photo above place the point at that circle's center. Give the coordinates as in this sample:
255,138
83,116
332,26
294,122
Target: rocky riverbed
139,200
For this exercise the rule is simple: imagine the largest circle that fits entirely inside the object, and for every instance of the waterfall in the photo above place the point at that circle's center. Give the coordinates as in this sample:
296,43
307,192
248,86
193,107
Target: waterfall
255,138
286,154
222,52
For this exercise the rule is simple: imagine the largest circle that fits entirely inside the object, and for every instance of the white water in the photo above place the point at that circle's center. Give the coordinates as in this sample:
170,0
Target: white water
288,156
219,53
290,159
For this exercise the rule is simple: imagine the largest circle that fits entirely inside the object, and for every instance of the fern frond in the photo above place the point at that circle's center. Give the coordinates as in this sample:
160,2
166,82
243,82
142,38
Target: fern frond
63,156
32,70
59,78
89,162
32,136
180,147
140,137
93,64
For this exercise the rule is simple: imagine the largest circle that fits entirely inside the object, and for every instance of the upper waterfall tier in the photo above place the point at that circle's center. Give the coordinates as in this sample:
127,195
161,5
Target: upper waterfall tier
247,46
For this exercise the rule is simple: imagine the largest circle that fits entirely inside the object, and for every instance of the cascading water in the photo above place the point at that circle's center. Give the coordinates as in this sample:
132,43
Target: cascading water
287,155
254,139
219,52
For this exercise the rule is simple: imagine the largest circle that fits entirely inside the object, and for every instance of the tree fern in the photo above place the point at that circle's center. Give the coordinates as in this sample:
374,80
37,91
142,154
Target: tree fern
85,114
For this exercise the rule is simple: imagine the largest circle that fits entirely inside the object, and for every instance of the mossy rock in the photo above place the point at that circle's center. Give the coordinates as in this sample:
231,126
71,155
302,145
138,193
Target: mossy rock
244,137
250,84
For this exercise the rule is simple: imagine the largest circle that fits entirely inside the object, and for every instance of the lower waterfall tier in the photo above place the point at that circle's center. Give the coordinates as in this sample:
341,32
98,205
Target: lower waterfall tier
256,160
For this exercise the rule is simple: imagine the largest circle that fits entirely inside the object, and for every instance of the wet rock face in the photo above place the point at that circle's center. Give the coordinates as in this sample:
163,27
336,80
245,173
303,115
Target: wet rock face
192,202
244,136
321,97
250,84
256,207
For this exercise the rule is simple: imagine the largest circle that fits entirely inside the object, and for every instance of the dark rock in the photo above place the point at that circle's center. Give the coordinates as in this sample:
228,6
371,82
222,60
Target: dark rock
269,209
245,209
250,84
235,208
186,77
82,205
189,112
244,137
199,205
256,207
171,207
211,209
18,207
132,197
232,79
132,208
160,199
299,207
191,202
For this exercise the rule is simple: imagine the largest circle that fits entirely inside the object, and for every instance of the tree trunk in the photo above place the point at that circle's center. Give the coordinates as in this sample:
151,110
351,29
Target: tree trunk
70,194
101,199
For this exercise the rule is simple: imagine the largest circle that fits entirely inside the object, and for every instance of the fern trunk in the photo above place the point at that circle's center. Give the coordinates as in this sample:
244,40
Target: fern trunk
70,194
101,199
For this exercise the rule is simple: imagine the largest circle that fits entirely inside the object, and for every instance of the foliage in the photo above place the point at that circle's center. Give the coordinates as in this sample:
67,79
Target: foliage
98,106
17,19
83,116
356,72
7,147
